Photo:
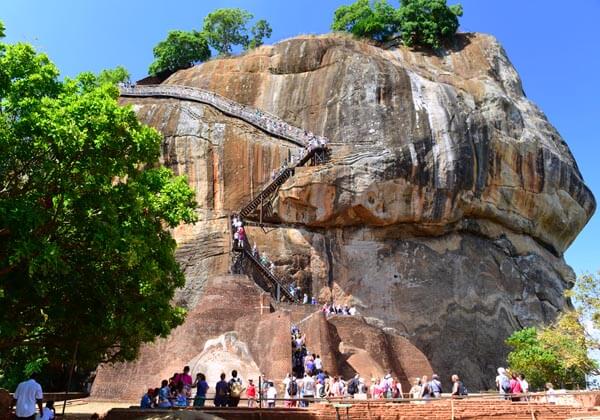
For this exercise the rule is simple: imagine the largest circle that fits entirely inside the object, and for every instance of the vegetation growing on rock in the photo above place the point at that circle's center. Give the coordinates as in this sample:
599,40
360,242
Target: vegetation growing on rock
419,23
226,28
86,260
180,50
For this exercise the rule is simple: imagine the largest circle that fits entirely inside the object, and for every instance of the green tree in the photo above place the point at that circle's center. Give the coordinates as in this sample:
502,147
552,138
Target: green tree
586,295
260,31
225,28
377,20
113,76
86,259
180,50
557,354
427,23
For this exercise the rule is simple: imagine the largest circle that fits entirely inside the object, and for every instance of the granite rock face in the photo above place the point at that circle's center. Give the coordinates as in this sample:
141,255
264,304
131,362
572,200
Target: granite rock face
445,210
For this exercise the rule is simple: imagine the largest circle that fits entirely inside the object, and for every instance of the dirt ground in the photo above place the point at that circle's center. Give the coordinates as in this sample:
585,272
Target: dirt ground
84,408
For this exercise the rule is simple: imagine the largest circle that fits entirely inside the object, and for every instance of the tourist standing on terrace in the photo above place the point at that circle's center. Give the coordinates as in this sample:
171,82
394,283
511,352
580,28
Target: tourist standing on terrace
235,389
221,392
26,397
457,386
251,394
435,386
502,382
201,388
415,391
271,395
308,388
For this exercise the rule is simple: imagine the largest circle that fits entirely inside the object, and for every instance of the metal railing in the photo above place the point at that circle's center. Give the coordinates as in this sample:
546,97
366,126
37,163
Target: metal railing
257,117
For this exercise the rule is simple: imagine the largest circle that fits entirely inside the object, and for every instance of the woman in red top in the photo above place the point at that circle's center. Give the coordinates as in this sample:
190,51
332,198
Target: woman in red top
515,387
251,393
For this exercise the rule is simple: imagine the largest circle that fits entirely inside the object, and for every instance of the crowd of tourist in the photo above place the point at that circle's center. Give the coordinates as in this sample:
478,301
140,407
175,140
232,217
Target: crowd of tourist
269,122
309,382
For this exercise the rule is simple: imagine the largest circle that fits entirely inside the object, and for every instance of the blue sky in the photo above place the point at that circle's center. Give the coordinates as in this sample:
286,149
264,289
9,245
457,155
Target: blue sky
553,45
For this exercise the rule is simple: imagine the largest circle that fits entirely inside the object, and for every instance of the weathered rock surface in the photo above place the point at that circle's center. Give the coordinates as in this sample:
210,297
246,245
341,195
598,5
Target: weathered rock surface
232,327
443,215
434,142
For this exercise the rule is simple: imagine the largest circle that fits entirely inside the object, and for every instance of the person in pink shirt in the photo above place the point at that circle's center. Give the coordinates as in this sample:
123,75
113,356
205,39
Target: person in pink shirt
515,387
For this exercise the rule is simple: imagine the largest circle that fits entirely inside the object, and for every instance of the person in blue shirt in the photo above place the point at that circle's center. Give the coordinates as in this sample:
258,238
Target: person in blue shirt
222,392
147,399
164,395
201,388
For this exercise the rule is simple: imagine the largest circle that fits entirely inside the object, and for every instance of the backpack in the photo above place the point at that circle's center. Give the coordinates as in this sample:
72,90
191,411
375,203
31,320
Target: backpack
236,388
462,389
505,384
322,392
292,388
352,388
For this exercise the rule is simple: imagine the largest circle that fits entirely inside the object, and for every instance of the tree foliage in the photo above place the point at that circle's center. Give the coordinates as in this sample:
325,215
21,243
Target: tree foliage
260,30
586,295
377,20
428,22
181,49
113,76
423,23
557,354
227,27
85,257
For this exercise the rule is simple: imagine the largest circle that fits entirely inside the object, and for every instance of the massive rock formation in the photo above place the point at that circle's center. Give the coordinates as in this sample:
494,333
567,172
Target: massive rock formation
443,215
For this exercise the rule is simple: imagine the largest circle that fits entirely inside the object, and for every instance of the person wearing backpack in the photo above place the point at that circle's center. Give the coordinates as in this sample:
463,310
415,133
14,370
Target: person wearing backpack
435,386
503,383
292,392
235,389
353,385
458,388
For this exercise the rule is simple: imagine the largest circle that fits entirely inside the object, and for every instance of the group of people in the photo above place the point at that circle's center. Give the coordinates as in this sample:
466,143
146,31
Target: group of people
177,391
425,389
511,384
333,309
239,233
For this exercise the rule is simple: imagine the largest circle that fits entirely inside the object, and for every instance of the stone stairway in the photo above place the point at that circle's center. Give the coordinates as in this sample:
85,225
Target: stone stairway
260,119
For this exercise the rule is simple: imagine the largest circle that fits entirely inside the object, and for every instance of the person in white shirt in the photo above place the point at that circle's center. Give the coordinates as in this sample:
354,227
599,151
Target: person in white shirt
271,395
318,363
308,389
27,396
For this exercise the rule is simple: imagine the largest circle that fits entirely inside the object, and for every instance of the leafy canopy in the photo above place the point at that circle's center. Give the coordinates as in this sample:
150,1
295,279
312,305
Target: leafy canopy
428,22
113,76
419,23
226,28
559,353
86,259
377,20
180,50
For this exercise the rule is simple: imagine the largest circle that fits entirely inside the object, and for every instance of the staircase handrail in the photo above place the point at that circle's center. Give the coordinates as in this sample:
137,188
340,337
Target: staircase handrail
258,117
268,274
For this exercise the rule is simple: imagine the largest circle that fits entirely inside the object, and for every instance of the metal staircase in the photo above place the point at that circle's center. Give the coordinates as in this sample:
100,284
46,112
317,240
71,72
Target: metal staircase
244,261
